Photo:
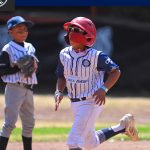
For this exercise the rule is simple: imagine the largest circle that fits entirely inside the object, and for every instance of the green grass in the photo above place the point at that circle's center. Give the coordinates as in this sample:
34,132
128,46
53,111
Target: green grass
49,134
55,126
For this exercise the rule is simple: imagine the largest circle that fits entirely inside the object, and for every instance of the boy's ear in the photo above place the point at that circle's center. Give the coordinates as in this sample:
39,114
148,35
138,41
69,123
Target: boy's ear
9,31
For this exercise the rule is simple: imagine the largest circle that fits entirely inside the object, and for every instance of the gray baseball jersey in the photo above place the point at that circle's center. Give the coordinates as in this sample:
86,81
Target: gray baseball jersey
16,51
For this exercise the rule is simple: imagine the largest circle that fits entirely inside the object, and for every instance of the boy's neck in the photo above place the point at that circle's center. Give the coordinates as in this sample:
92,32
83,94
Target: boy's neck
79,49
19,43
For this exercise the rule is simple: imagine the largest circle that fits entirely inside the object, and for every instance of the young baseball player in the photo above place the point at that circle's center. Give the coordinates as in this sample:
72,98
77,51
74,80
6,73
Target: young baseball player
81,69
18,90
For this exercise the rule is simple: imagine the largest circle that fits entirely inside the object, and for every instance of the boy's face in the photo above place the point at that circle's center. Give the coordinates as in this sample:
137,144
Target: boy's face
76,37
19,33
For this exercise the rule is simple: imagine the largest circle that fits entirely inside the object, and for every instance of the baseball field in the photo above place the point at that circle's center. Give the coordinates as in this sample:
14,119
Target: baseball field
52,127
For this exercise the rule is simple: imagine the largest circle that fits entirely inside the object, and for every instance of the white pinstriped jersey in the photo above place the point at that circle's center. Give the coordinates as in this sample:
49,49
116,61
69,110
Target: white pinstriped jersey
84,71
16,51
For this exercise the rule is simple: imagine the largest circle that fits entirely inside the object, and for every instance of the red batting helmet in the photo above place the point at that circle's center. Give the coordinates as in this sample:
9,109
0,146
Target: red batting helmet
85,24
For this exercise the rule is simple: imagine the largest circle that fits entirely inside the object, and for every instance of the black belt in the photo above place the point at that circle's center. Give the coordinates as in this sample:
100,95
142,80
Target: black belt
27,86
78,99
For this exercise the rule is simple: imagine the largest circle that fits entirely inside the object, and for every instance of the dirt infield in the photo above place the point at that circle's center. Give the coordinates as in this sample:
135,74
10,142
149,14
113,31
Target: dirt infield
114,109
117,145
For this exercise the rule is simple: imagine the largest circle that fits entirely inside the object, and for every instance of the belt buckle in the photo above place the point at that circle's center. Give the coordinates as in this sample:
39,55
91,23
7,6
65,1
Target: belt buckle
26,85
83,98
78,99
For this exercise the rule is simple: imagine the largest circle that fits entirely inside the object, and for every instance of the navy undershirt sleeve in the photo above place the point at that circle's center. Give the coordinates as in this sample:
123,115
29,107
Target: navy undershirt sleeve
5,68
60,69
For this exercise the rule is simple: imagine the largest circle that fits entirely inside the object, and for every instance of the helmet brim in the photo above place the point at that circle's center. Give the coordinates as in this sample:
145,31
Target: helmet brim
67,24
29,24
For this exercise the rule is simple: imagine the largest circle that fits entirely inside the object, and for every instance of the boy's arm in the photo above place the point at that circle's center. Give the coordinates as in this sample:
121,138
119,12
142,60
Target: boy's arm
113,71
5,68
112,78
60,86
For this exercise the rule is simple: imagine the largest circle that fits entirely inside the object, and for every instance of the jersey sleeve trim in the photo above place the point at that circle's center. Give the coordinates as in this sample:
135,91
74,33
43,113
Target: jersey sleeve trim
105,63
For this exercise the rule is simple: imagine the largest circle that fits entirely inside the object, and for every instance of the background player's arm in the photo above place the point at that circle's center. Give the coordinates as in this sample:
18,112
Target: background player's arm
5,68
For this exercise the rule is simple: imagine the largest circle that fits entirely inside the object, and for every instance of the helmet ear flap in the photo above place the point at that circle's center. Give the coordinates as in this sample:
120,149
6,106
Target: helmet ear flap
66,37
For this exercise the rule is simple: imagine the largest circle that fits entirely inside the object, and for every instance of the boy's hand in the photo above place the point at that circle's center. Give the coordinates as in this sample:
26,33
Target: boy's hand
58,98
99,96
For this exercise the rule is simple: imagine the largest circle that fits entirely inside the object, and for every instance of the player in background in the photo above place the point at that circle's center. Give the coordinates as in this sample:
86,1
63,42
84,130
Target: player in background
18,90
81,69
